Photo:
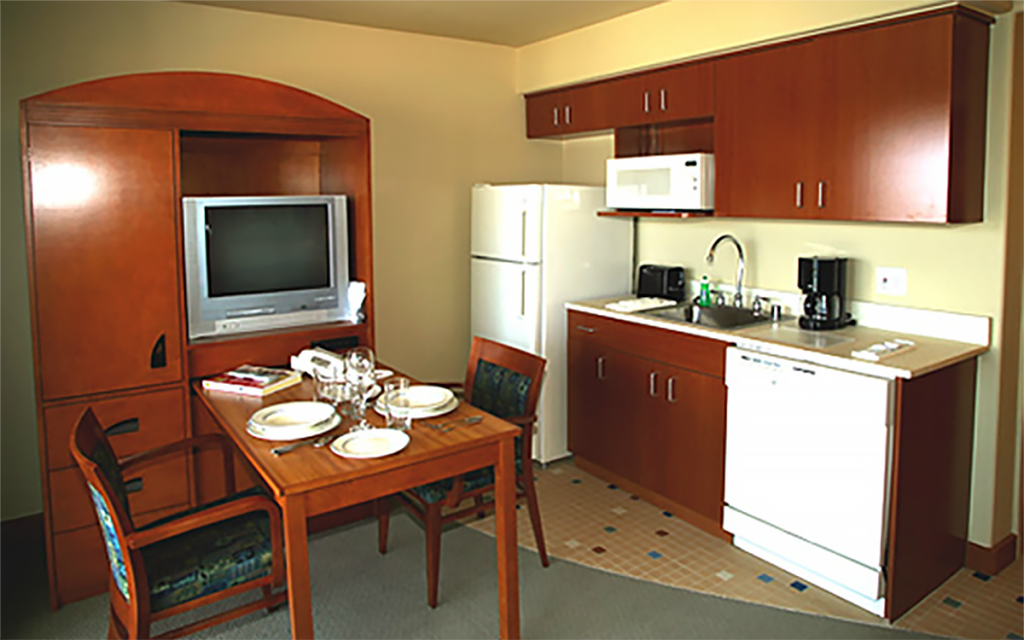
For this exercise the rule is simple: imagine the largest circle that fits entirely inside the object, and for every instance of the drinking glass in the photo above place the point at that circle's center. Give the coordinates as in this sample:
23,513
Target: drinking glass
359,372
396,403
330,385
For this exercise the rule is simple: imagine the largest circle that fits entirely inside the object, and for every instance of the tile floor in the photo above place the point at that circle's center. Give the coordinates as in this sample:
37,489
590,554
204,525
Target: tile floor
590,522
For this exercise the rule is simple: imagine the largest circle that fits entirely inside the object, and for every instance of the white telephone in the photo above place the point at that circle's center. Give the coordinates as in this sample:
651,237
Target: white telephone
309,361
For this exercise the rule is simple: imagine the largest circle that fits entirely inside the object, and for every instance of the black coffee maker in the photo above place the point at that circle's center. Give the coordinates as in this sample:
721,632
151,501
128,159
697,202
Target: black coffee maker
823,281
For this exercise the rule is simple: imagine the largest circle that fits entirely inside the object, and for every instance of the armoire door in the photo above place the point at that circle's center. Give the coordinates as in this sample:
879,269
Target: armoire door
105,259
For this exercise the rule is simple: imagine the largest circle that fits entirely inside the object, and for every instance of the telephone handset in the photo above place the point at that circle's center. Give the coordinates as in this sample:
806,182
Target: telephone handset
314,359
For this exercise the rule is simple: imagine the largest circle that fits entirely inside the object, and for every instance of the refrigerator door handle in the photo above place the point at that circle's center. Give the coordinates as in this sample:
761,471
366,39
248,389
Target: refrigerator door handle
522,290
524,234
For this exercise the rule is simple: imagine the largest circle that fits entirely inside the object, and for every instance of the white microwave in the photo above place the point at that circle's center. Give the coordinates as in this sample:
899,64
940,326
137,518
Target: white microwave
678,182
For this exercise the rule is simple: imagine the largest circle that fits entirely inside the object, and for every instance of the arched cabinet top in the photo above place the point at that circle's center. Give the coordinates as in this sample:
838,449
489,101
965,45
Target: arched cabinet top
196,101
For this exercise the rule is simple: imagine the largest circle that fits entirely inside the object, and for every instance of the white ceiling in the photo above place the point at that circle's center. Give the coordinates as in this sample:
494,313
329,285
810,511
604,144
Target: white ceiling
509,22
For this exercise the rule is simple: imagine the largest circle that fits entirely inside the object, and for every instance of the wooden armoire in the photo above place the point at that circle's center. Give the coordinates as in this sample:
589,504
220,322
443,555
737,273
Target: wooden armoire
105,165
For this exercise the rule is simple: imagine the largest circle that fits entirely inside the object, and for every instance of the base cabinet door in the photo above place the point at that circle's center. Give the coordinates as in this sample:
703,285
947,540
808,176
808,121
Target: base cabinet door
694,441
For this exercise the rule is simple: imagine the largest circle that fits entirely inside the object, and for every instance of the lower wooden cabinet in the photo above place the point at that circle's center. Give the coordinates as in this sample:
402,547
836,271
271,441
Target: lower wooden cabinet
647,409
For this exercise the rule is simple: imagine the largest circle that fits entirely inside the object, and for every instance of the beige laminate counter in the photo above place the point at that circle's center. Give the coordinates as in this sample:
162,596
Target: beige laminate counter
828,348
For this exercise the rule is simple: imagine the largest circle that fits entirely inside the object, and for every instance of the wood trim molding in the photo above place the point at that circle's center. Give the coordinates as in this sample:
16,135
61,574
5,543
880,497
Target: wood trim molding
992,560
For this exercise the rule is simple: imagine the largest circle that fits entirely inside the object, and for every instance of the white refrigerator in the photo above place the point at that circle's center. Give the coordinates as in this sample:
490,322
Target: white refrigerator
534,247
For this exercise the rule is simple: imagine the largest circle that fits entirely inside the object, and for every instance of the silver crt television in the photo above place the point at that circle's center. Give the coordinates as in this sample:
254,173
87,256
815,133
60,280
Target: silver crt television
262,262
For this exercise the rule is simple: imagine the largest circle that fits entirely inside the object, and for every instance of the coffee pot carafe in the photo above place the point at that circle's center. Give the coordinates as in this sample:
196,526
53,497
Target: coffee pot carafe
823,282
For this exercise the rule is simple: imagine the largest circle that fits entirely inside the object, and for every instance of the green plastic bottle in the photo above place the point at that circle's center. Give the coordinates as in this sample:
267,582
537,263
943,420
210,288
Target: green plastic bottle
705,292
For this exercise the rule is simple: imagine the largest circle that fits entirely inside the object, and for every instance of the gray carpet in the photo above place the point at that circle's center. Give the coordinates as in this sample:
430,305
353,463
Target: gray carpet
360,594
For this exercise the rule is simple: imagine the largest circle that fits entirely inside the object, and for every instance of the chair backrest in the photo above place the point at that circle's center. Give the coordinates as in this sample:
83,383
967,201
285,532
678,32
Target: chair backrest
503,380
92,451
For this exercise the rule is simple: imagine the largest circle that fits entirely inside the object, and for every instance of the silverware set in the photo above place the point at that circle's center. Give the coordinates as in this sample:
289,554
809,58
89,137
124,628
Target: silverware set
324,440
445,427
319,442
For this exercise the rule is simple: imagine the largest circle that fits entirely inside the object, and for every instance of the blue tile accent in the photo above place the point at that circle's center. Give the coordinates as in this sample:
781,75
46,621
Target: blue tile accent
765,578
667,514
950,602
1020,599
612,487
654,554
610,529
799,586
984,577
577,481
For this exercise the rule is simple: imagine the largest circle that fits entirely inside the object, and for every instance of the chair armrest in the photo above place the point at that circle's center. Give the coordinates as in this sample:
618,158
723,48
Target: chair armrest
146,458
225,511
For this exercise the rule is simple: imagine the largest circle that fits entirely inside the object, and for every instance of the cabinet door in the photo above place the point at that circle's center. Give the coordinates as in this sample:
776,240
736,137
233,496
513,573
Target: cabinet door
770,131
694,441
105,258
681,92
568,111
591,405
893,109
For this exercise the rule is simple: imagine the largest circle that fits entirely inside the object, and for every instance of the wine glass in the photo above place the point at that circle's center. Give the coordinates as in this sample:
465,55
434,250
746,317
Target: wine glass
359,371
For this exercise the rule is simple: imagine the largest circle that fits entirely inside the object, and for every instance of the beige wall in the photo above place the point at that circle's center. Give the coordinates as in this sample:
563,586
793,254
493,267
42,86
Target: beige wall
444,115
955,268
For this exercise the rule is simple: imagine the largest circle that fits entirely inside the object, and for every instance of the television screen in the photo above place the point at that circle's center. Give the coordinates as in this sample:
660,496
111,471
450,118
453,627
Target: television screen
259,249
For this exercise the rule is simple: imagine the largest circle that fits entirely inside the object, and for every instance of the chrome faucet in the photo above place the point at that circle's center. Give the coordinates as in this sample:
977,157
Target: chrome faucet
737,299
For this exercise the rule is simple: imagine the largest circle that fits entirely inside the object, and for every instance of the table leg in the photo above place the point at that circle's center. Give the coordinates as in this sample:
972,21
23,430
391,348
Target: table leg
300,604
505,523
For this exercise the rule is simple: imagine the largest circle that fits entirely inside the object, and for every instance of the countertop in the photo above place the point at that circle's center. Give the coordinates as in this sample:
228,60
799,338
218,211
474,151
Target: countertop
828,348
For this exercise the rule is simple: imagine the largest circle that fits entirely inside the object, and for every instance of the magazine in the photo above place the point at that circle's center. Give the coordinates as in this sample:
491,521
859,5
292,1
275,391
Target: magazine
253,380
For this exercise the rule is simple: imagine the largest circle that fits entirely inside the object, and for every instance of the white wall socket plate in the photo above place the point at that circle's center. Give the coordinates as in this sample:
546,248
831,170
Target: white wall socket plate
891,281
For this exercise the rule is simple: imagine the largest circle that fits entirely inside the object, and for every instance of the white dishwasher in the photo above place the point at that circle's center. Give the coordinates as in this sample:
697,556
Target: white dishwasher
807,471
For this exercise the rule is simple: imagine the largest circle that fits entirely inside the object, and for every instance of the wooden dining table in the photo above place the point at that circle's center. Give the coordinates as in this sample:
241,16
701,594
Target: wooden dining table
311,481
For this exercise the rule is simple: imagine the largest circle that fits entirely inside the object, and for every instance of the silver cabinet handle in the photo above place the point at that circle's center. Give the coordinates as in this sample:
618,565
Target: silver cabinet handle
654,384
600,368
800,195
568,115
555,118
664,99
672,390
647,101
821,194
586,329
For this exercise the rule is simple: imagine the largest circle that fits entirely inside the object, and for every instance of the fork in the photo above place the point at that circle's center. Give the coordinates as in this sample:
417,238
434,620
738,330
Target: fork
451,424
316,442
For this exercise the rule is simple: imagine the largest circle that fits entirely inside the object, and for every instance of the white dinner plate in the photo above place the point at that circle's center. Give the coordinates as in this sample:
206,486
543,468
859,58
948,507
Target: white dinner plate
423,397
421,414
291,415
278,434
370,443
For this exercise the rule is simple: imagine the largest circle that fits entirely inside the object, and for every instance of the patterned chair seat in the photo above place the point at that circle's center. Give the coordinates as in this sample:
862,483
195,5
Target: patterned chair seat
438,491
208,560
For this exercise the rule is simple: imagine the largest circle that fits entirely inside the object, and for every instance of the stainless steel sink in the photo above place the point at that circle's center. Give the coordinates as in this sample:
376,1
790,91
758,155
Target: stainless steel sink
724,317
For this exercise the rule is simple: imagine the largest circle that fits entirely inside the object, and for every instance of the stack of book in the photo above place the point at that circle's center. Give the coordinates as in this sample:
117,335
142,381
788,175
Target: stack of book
253,380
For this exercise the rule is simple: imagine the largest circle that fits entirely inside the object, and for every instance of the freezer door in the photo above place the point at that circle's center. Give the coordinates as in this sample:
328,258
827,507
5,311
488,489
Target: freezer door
505,223
506,303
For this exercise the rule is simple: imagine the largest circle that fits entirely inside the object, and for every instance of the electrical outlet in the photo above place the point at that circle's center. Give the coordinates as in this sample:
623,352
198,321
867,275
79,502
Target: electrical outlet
891,281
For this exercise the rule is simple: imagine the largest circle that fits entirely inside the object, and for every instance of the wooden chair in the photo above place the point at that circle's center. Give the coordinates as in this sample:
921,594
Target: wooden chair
503,381
186,560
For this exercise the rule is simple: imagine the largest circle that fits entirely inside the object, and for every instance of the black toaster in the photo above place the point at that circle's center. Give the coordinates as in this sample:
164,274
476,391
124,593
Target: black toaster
659,281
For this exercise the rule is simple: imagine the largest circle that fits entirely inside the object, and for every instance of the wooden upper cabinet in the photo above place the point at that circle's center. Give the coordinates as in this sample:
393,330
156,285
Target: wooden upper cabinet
105,258
567,111
770,136
909,138
680,92
883,123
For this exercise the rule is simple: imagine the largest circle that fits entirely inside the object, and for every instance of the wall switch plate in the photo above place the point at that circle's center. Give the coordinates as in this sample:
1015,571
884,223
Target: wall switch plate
891,281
